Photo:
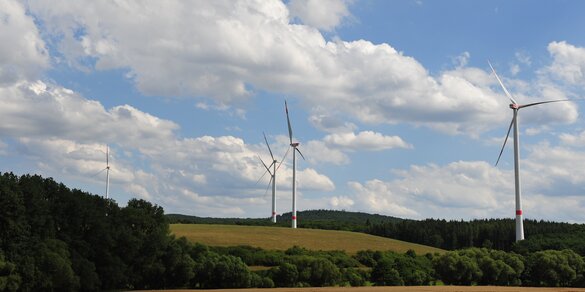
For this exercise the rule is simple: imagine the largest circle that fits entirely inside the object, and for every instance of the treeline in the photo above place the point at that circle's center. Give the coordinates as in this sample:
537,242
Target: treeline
316,219
489,233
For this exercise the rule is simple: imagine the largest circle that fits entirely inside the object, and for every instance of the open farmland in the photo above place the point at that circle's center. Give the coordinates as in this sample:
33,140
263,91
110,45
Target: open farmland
279,238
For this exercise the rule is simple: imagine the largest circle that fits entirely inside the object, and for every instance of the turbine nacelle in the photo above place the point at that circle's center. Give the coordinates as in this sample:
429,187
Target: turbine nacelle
514,106
296,144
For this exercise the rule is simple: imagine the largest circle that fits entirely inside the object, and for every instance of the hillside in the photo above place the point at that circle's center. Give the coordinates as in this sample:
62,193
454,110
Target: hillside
279,238
318,219
497,233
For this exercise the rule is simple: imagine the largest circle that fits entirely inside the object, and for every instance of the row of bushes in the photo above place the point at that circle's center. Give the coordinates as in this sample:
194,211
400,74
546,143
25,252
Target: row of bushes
474,266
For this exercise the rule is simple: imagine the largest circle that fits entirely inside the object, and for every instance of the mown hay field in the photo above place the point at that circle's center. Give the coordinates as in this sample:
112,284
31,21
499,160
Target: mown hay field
280,238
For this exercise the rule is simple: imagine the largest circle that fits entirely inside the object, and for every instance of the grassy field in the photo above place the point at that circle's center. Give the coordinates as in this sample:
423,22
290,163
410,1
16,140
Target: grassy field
402,288
279,238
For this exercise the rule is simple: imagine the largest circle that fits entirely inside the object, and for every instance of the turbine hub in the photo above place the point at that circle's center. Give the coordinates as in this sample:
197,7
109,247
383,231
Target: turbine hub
514,106
295,144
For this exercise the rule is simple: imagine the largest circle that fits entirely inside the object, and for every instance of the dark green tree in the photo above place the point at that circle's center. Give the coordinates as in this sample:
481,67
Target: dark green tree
285,275
554,268
9,278
385,274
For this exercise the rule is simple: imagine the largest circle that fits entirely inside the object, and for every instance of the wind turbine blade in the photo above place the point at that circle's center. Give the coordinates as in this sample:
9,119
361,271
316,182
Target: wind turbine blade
98,173
283,158
107,155
288,121
502,84
541,102
266,140
268,186
265,166
299,151
261,177
505,140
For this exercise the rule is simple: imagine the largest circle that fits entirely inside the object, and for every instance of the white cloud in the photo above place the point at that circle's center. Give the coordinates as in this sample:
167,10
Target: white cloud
320,152
537,130
65,134
552,178
558,169
310,179
523,57
568,62
35,109
365,140
322,14
573,139
224,50
341,202
333,147
376,196
514,69
330,123
462,60
22,53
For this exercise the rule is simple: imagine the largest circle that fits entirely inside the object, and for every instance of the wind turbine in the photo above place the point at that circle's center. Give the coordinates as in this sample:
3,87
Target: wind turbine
272,177
107,171
515,108
294,158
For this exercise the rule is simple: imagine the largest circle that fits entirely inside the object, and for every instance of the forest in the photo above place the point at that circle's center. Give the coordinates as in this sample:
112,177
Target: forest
56,238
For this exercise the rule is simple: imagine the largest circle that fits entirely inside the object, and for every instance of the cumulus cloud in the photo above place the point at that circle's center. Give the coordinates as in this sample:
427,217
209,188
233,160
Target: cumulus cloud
225,50
333,148
557,168
35,109
322,14
376,196
321,152
23,53
568,62
552,180
577,139
330,123
341,202
365,140
66,134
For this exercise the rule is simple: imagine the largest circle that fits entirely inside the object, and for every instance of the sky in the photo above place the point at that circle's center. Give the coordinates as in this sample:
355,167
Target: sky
393,102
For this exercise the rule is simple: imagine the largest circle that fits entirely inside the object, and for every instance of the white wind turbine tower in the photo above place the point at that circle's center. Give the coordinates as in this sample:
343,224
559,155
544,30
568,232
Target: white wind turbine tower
294,186
515,108
273,176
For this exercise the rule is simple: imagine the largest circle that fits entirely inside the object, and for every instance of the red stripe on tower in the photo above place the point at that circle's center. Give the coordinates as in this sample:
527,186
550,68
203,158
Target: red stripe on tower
518,212
273,213
294,217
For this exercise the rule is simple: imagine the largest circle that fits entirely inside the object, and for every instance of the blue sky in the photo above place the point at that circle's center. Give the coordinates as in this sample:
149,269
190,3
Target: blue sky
393,102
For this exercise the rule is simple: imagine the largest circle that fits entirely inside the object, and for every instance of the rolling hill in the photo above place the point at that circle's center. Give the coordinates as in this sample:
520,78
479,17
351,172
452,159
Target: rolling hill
280,238
319,219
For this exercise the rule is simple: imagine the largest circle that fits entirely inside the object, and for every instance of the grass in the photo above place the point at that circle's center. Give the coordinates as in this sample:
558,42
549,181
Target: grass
280,238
